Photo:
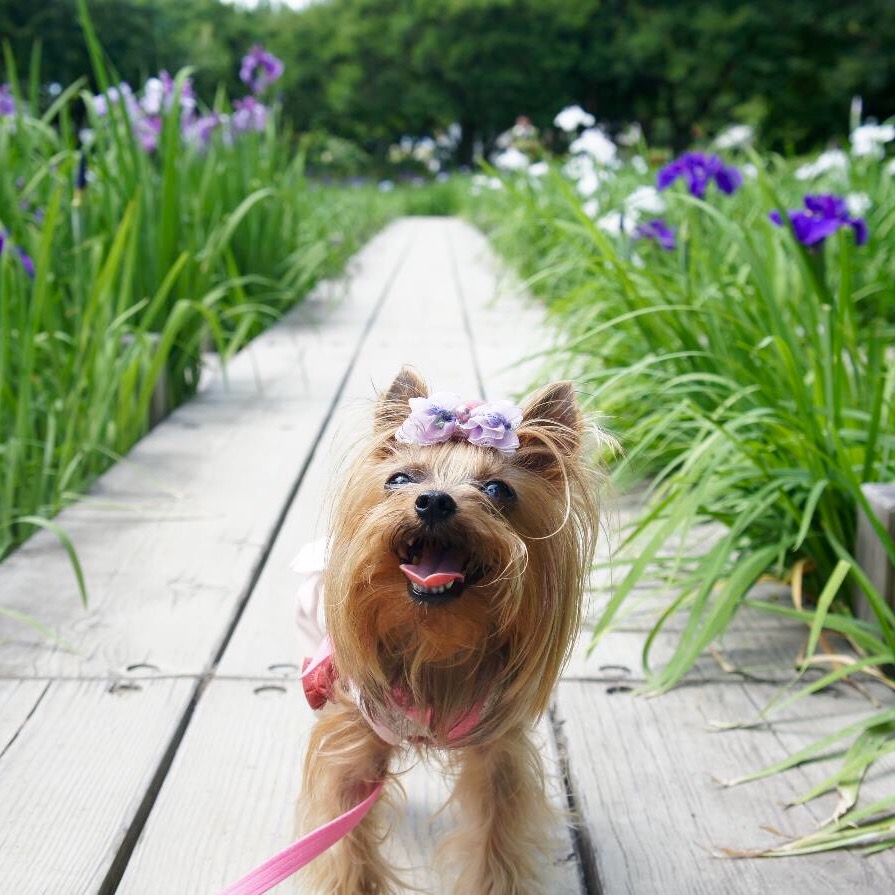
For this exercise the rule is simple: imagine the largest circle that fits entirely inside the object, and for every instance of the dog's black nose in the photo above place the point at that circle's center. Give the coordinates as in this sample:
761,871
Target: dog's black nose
435,506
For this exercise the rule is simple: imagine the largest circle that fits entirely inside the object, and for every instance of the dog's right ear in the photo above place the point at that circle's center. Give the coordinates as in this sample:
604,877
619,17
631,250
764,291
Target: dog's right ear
392,408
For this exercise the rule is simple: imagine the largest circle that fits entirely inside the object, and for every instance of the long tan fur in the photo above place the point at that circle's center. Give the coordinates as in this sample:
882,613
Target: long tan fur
499,646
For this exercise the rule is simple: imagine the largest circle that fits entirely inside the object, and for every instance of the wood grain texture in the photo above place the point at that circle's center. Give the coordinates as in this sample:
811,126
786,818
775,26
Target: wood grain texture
643,774
420,324
76,775
228,801
18,701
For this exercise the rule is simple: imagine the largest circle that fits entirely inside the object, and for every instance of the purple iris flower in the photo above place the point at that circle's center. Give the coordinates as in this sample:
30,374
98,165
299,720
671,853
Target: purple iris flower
699,169
148,130
199,131
249,115
259,69
24,257
659,231
102,101
825,214
7,101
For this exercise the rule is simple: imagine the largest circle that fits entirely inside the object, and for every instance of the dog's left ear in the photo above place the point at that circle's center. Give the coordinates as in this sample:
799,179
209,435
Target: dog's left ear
551,425
392,407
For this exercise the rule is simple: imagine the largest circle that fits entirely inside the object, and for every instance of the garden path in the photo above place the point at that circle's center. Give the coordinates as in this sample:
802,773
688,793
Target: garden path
155,746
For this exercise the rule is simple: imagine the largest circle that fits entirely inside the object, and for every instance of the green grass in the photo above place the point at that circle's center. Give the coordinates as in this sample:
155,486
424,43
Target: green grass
752,384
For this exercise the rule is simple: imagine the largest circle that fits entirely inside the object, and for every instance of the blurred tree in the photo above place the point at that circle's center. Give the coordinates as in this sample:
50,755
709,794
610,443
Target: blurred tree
372,70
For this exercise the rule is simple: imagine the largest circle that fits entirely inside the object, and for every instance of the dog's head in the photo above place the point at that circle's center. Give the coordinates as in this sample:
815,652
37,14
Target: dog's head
456,569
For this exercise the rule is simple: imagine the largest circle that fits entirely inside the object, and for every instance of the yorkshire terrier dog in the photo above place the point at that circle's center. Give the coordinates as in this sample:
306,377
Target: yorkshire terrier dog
459,546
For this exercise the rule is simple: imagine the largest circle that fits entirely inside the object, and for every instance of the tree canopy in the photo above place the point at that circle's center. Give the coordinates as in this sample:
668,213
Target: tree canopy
372,70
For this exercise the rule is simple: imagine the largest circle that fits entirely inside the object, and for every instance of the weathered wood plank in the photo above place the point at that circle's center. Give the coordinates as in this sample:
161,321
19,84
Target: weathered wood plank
18,700
420,324
756,646
75,776
229,800
170,538
509,328
869,550
643,770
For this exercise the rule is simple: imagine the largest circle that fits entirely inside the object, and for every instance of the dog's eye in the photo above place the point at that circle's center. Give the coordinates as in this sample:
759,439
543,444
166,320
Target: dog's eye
398,479
498,490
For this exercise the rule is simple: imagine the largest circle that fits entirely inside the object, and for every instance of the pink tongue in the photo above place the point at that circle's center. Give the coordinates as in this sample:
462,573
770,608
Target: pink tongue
437,567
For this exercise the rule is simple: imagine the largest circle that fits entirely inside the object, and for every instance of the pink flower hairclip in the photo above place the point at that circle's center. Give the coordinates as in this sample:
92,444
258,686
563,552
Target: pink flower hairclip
444,416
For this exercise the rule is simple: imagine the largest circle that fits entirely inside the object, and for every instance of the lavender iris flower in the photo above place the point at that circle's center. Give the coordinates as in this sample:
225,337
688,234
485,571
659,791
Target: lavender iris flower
7,101
260,69
148,130
24,257
823,216
249,115
198,131
699,169
659,231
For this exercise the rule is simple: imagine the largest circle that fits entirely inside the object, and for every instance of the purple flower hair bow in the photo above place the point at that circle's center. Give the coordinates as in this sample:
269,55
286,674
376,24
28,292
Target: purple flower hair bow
444,417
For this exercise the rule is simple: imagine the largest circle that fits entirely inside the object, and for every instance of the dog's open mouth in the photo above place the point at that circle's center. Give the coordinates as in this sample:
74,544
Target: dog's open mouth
436,573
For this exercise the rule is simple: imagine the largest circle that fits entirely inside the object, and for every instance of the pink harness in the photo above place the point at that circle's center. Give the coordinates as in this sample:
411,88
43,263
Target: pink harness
318,678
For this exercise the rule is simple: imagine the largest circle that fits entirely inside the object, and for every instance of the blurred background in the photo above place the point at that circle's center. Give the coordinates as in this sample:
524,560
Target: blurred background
370,71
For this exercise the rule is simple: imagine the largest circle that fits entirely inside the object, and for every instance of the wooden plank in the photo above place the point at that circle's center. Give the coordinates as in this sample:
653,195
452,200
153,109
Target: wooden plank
229,800
756,646
422,302
509,328
18,701
250,815
642,773
869,550
171,537
75,776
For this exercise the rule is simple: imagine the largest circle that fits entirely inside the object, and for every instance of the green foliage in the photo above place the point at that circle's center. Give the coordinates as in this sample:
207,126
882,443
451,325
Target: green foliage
751,383
139,268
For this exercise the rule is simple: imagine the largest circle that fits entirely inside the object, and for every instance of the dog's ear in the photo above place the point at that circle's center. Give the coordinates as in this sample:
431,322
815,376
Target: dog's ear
551,427
392,407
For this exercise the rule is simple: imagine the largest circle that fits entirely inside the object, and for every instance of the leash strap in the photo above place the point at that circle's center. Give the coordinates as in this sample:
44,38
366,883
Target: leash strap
291,859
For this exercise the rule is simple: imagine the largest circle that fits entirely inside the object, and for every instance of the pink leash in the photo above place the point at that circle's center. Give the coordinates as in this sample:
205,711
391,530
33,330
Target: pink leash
317,677
291,859
274,870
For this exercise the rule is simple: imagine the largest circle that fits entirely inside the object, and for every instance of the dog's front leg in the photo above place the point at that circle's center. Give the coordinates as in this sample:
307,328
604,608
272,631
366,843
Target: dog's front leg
345,758
507,824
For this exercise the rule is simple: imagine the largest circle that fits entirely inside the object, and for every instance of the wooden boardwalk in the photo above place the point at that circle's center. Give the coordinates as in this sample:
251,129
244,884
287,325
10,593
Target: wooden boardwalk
156,746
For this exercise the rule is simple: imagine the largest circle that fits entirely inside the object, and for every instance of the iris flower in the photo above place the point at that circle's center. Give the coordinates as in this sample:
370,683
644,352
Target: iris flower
658,231
870,139
822,217
831,160
7,101
698,169
260,69
24,257
594,143
573,117
248,115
